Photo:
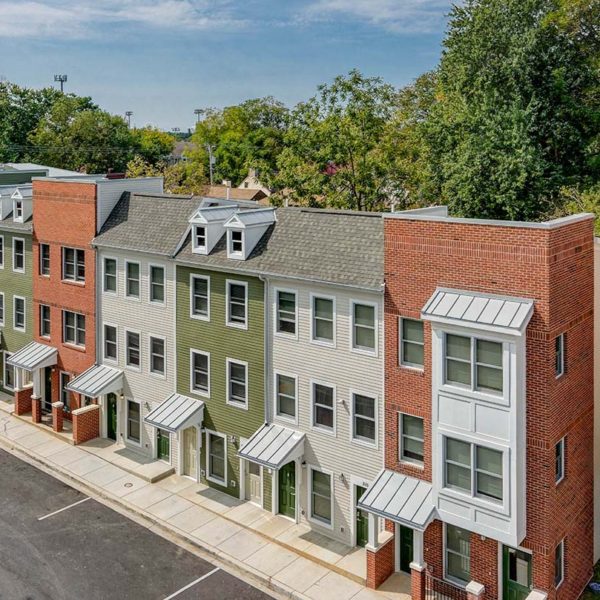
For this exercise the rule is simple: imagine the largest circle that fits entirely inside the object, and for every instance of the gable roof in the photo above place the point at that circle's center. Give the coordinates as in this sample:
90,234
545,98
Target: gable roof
220,191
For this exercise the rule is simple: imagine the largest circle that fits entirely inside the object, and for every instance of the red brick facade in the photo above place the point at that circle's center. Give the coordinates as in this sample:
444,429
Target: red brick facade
23,401
554,267
380,564
86,424
36,410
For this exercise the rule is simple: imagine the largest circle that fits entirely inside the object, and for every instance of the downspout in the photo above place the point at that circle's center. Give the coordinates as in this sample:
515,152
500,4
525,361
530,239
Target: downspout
267,353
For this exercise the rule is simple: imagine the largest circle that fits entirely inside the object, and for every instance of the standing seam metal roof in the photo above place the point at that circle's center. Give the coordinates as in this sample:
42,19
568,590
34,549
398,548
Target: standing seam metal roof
174,412
272,446
96,380
32,355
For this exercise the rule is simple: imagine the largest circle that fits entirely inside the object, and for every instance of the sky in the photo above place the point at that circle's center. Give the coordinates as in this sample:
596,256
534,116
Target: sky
161,59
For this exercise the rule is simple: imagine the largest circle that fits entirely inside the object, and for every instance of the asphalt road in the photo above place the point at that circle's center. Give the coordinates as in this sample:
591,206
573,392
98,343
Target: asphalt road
90,552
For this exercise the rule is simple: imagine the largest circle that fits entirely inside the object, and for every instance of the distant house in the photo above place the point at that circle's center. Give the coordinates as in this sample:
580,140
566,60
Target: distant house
252,182
225,191
179,151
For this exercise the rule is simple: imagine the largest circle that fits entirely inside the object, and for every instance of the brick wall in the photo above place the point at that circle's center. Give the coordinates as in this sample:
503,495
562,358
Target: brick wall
86,423
380,564
23,401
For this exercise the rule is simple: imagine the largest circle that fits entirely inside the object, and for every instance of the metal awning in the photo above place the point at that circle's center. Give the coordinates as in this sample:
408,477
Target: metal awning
33,356
504,314
96,381
175,413
273,446
399,498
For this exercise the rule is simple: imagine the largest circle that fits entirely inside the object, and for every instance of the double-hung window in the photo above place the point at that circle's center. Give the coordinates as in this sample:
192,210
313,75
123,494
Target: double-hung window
132,349
18,216
323,320
200,237
237,304
286,316
110,275
73,328
44,260
110,343
286,396
236,242
457,560
19,313
200,372
364,327
323,397
364,418
44,321
559,563
412,343
200,297
133,421
1,308
157,355
559,461
73,265
132,280
18,255
217,458
320,497
412,439
559,354
157,284
237,383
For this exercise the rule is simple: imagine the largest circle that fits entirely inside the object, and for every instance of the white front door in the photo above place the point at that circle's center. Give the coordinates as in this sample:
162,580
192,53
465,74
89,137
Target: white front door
253,482
190,445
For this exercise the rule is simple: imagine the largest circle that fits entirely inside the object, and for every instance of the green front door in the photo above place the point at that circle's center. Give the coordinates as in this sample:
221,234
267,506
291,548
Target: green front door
362,520
406,548
287,490
111,416
516,567
163,440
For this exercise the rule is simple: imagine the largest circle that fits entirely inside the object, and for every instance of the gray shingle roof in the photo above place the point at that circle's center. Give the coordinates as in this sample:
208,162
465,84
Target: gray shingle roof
9,224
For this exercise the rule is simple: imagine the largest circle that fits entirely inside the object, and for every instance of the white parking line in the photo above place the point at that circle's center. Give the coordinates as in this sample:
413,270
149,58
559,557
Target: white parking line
61,509
189,585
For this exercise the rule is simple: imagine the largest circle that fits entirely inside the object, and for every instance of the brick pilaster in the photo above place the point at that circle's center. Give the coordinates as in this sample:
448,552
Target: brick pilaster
86,423
23,401
57,416
417,581
380,563
36,409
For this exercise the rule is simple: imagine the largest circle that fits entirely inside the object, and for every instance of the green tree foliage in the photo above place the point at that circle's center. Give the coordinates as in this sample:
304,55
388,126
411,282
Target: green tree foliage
179,178
152,145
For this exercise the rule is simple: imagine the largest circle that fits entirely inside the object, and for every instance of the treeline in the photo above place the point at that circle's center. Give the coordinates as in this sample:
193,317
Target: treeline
506,126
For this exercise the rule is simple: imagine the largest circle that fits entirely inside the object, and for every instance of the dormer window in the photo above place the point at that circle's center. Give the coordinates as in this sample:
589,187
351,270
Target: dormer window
236,242
19,211
200,237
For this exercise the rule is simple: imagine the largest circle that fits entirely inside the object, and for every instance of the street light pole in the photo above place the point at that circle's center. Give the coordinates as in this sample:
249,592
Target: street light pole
128,114
197,112
62,80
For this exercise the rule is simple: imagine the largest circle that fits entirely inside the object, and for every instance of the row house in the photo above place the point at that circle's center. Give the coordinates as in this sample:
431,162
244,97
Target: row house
487,490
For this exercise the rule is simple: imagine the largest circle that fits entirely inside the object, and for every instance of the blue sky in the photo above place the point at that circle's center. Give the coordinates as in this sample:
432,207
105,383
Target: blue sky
163,58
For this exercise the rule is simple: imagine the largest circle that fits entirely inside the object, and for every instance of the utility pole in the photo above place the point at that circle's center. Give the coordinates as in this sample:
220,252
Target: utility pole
62,79
211,161
128,115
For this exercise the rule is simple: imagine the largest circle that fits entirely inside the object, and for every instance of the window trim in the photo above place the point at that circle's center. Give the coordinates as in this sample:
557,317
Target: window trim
228,323
7,355
64,329
192,389
276,332
104,356
14,313
41,260
63,277
560,545
401,435
459,582
353,438
141,422
164,284
127,365
14,240
353,347
152,336
41,321
321,428
230,251
104,290
2,251
562,443
313,340
128,296
401,362
195,245
193,277
276,414
3,312
310,516
209,477
559,374
228,401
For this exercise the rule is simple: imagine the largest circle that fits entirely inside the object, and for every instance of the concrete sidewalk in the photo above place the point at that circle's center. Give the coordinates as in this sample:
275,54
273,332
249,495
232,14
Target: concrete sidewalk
285,557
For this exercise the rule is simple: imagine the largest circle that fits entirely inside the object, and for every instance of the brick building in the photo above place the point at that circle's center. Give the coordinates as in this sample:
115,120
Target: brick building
487,490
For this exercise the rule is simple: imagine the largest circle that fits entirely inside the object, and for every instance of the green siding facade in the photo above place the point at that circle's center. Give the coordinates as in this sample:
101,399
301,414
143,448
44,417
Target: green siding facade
15,284
223,342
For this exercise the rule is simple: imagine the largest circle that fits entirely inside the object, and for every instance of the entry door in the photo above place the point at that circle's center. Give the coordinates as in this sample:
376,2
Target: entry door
516,566
406,548
47,389
362,521
190,444
287,490
111,416
163,443
253,482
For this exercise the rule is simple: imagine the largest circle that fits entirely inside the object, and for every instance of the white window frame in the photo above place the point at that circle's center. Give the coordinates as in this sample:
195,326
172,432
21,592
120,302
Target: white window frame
129,439
276,331
560,545
353,438
276,413
228,362
353,346
163,339
41,320
126,346
410,461
561,370
230,250
18,216
228,283
193,390
563,447
15,240
454,580
2,249
193,277
209,477
116,328
316,520
197,246
104,289
7,355
403,363
63,276
313,340
64,329
128,296
3,311
41,260
313,425
24,328
164,284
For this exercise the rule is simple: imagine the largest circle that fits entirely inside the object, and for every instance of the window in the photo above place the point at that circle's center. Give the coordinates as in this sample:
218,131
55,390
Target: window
73,265
73,328
110,343
132,349
483,373
200,237
237,304
18,211
285,396
412,343
364,422
157,284
1,308
19,255
458,554
65,395
559,563
200,372
110,275
132,280
236,242
323,320
19,313
323,407
473,469
1,252
320,497
559,469
216,457
157,355
364,332
9,373
237,385
133,421
559,352
412,439
44,320
286,312
200,297
45,260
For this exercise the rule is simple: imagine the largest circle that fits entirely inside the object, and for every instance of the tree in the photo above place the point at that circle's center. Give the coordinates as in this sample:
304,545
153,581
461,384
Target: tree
180,178
152,144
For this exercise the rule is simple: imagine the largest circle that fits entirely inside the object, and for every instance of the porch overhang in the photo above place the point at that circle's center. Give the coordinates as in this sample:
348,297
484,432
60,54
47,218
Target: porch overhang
96,381
175,413
33,356
273,446
399,498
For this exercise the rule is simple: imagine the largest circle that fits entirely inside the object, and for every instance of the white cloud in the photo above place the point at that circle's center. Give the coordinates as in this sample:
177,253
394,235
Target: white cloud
59,19
402,16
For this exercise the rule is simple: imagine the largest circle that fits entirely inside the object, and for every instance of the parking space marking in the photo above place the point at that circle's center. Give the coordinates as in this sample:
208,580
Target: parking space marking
64,508
189,585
